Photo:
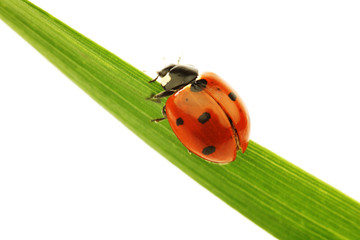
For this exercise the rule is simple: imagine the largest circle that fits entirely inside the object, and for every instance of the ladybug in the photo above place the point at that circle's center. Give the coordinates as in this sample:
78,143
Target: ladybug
204,112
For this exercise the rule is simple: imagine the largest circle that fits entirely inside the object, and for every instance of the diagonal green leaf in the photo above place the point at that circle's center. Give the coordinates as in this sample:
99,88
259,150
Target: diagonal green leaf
278,196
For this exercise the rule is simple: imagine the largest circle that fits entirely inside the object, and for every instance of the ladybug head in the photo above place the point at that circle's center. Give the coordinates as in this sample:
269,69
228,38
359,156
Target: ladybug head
176,76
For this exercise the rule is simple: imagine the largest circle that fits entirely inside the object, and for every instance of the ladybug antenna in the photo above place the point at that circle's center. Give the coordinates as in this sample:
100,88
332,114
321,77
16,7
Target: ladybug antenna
153,99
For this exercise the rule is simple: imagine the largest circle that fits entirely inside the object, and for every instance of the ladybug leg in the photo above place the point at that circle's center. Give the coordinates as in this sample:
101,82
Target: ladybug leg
163,111
158,119
162,94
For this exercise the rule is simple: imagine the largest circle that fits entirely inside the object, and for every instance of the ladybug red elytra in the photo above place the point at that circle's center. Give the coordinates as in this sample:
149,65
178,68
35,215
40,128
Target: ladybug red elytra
204,112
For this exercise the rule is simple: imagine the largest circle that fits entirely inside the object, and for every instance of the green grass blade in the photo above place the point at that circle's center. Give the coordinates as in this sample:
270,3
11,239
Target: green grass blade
278,196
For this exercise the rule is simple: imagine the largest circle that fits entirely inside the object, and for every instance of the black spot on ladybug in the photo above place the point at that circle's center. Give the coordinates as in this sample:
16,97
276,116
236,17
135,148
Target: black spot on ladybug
232,96
204,117
186,99
218,89
198,85
208,150
179,121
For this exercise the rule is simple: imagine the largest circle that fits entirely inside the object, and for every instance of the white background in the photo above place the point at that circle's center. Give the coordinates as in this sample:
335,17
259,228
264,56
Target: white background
69,170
